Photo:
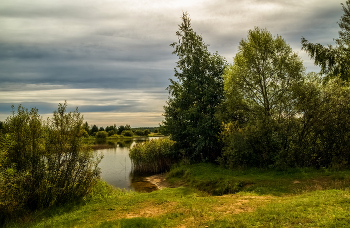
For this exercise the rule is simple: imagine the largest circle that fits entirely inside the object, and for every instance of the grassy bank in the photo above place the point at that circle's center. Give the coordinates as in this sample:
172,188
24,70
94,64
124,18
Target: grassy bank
292,198
218,181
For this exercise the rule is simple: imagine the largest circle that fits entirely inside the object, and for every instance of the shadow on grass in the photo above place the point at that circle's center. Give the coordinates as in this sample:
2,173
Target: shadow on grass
132,222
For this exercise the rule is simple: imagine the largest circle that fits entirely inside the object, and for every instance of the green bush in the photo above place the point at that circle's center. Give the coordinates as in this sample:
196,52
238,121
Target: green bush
111,132
101,135
128,133
315,135
153,156
139,132
43,163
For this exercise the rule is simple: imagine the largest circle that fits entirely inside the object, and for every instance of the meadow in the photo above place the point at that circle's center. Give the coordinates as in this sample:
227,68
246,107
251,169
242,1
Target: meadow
258,198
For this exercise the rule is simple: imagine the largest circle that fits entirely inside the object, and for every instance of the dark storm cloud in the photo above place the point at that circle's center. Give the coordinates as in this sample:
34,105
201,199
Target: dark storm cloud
85,66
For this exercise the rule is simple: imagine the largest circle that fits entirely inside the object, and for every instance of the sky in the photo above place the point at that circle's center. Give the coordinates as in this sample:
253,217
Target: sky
112,59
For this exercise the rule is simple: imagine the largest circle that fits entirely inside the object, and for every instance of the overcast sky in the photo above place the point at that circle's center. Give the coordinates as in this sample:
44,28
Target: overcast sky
112,58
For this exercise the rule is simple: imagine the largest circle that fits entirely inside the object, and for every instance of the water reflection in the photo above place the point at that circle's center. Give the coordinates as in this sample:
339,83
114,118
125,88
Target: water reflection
116,166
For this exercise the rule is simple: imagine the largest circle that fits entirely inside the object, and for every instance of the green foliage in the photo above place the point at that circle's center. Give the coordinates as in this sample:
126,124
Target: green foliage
86,127
194,98
128,133
94,130
334,61
121,128
153,156
84,133
111,132
44,163
258,110
1,126
323,130
111,128
313,131
139,132
101,135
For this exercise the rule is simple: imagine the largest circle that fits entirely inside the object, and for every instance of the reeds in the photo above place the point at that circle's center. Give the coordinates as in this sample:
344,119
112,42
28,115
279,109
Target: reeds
153,156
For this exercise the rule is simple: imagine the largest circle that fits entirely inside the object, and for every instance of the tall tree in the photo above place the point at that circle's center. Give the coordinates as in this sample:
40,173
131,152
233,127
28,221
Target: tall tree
195,96
333,60
94,129
259,94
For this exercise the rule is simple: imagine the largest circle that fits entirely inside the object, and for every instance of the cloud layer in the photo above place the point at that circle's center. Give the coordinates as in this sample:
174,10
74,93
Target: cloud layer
113,57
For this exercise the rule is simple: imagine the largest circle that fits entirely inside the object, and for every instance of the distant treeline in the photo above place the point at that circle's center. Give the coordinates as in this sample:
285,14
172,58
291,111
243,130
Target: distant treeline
125,130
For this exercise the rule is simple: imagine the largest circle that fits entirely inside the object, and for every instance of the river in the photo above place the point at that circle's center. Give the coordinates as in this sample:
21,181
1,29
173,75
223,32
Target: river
116,167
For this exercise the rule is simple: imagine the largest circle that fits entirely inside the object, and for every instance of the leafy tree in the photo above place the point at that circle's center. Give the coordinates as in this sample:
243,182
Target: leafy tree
146,132
101,129
121,128
128,133
101,135
1,125
94,129
323,128
259,96
333,61
111,128
195,96
139,132
111,132
86,127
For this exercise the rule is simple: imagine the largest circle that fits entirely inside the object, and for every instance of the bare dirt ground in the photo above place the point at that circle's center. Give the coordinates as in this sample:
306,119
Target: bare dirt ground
159,180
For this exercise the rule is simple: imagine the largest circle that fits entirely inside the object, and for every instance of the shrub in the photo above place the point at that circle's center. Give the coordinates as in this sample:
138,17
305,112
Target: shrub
139,132
128,133
315,135
43,163
101,135
111,132
153,156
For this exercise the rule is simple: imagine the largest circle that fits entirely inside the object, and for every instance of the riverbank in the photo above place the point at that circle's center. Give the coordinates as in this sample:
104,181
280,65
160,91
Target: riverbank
292,198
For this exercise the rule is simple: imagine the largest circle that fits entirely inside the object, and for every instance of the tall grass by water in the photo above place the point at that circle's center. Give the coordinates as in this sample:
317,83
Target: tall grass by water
153,156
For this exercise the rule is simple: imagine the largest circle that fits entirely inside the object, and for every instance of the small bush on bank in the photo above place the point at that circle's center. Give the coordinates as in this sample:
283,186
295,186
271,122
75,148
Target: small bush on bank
153,156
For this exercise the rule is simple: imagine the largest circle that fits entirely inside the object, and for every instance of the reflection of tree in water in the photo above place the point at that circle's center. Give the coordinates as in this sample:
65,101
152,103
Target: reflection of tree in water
124,143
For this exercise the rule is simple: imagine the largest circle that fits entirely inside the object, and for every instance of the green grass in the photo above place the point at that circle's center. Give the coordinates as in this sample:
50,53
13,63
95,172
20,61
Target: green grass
265,199
218,181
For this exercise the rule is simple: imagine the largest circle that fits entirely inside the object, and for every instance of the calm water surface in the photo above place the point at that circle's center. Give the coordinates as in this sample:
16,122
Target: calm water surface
116,167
